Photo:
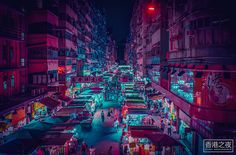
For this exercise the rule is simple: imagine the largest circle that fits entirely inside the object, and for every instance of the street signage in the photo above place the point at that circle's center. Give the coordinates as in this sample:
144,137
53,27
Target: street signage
86,79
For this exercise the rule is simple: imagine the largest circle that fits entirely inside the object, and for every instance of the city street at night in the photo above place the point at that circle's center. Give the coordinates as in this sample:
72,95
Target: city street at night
117,77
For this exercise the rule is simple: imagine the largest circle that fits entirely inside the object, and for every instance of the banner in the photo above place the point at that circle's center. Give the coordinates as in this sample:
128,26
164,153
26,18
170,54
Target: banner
86,79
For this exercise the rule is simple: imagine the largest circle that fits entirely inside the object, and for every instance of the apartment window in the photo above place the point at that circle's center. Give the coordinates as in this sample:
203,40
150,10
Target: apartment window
23,88
44,80
4,52
35,79
4,85
11,53
22,62
22,36
12,81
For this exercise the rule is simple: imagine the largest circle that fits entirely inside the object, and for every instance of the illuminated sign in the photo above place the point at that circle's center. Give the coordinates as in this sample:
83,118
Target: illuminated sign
86,79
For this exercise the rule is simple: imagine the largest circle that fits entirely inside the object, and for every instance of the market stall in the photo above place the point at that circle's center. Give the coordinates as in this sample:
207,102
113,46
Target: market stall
135,143
57,143
148,140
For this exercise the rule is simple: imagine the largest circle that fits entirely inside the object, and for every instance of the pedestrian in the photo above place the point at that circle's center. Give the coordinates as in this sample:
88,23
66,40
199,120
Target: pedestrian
116,125
102,116
109,114
153,121
110,151
169,129
92,150
84,148
162,126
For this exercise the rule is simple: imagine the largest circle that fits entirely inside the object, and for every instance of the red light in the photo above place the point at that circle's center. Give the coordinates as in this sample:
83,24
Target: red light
151,8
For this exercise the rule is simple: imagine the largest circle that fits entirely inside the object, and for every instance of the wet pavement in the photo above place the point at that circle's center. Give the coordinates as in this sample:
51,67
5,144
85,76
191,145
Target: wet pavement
103,134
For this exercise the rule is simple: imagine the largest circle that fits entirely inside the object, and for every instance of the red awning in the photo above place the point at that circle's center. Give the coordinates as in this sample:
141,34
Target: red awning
18,116
68,111
65,98
50,102
162,139
55,138
154,135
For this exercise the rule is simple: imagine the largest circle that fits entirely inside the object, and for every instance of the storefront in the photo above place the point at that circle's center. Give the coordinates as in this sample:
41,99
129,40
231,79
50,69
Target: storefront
13,121
149,140
166,109
38,110
135,145
182,84
138,119
185,132
169,111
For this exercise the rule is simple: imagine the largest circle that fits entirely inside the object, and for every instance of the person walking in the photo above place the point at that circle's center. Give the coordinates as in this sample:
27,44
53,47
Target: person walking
102,116
162,126
92,150
108,114
110,151
169,129
116,125
84,148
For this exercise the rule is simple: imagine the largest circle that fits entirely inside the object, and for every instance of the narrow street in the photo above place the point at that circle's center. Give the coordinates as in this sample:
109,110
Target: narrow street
117,77
103,134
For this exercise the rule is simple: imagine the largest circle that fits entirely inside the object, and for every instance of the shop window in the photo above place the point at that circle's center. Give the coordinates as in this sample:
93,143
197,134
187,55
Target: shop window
183,85
22,62
12,81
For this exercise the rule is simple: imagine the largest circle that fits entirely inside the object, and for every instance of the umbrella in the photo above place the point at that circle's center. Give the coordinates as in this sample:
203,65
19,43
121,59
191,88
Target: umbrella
19,142
55,120
18,146
20,134
36,129
38,126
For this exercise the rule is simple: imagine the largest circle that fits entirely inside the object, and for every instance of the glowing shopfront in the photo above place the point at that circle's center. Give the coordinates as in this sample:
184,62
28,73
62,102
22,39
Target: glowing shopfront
182,84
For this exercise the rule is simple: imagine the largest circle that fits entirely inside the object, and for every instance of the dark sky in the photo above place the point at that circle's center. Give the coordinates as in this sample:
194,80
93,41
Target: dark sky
118,14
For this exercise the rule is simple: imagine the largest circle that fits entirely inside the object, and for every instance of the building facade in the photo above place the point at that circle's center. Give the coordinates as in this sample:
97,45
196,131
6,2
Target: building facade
42,45
13,57
187,49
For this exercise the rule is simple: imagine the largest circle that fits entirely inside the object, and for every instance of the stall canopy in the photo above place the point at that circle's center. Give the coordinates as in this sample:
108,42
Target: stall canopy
55,138
55,120
50,102
38,126
162,139
138,111
156,96
65,98
67,111
78,103
153,134
18,115
20,142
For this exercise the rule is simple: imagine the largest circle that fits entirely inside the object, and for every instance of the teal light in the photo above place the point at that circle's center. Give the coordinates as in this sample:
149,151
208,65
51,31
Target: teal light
183,86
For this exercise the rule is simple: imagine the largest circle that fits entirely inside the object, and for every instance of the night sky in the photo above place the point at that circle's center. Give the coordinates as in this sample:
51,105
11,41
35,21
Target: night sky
118,14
